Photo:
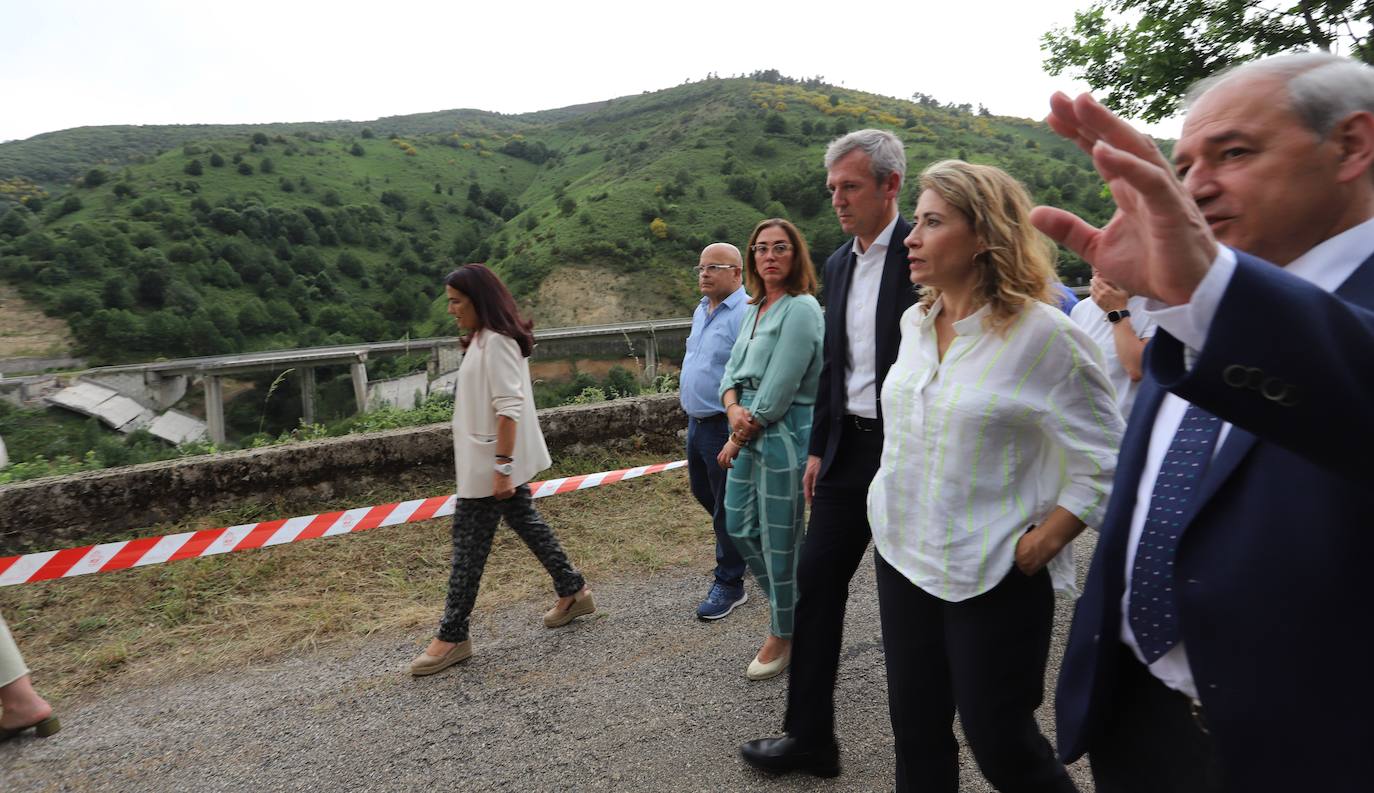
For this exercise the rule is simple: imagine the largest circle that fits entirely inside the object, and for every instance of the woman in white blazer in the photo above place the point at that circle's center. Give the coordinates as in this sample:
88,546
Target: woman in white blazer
497,449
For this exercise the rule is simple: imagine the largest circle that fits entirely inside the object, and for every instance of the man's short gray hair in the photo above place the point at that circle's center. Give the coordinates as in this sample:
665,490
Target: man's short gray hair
886,155
1322,88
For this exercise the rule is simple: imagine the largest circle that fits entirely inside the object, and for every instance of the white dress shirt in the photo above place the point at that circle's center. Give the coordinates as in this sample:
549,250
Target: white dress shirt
1327,265
861,324
985,443
1093,320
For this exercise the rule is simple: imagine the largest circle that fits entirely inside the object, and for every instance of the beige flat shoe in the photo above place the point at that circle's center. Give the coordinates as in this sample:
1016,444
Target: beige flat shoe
758,670
43,729
426,664
582,605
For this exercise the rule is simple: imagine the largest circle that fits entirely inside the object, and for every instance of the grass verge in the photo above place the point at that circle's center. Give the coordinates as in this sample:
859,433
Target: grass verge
165,621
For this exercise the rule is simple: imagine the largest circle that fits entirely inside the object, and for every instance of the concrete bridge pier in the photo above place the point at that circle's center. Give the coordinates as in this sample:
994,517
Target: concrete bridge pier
307,394
650,356
360,382
214,408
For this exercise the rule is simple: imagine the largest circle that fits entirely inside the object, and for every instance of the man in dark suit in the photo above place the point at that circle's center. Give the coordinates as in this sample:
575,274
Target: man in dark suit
866,288
1222,642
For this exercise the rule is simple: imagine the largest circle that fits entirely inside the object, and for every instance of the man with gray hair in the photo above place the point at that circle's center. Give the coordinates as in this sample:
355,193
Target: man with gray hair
1222,642
866,288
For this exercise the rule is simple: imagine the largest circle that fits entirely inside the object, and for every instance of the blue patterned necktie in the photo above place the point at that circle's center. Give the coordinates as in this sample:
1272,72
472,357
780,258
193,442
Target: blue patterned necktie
1153,607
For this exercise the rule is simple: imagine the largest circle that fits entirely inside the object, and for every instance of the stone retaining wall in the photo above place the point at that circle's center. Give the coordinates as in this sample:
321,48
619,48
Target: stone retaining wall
57,512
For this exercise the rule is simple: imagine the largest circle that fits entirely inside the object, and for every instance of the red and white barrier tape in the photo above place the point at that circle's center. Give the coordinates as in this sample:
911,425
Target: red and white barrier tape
111,556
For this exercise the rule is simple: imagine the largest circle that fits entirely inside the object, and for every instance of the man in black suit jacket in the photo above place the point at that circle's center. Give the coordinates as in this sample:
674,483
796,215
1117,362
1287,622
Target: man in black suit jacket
1222,642
866,288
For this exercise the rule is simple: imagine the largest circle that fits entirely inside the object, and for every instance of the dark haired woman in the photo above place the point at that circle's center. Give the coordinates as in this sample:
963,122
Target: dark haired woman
497,449
769,391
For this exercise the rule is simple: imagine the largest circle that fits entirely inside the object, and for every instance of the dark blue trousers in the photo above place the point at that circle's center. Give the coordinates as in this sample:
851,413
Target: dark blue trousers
705,437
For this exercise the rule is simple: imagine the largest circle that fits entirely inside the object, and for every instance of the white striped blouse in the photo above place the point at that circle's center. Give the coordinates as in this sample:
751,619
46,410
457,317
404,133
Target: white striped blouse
982,445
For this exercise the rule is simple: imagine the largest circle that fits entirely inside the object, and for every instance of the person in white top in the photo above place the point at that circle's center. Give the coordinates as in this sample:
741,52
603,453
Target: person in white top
1000,432
497,449
1119,324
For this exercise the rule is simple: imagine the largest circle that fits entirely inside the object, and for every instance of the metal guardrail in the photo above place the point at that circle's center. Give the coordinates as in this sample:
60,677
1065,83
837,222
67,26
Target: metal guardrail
350,353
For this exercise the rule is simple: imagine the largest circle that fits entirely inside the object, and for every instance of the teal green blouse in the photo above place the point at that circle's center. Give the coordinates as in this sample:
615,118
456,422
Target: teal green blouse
779,358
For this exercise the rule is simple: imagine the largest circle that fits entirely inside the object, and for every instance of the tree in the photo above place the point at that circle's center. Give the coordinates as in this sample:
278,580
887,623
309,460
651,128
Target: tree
245,169
115,293
267,166
356,149
394,199
194,168
69,205
15,222
1145,53
216,161
95,178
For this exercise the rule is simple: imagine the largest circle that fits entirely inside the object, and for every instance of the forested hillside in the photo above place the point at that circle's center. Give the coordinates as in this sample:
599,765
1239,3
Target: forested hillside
216,239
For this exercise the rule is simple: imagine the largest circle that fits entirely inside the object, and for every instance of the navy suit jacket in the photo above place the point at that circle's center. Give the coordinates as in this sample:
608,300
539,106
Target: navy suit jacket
1274,608
895,296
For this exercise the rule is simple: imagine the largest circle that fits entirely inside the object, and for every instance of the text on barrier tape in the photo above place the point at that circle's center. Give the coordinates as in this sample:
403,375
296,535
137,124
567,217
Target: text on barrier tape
111,556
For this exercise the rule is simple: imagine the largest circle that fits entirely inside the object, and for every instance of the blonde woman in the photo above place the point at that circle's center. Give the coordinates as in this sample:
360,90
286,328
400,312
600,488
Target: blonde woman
1000,443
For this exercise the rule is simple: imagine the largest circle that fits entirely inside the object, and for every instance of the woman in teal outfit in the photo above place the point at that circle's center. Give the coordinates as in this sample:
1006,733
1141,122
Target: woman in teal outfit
769,390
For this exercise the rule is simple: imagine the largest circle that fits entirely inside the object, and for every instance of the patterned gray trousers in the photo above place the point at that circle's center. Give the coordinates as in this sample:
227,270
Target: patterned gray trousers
474,525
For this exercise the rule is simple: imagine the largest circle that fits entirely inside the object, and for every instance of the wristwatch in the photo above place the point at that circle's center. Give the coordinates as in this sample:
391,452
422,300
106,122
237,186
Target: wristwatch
1116,316
505,468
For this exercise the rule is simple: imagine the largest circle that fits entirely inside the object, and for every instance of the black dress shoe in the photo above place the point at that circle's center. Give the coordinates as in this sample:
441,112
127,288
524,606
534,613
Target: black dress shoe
786,753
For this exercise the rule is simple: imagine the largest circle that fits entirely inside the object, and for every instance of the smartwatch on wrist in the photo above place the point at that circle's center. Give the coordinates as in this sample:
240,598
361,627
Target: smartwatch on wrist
1116,316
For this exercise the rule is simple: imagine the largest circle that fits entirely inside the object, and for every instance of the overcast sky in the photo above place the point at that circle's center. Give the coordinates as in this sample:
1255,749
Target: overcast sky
70,63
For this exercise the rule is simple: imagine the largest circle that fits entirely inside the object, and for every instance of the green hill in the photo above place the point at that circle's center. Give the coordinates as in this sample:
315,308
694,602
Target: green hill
234,238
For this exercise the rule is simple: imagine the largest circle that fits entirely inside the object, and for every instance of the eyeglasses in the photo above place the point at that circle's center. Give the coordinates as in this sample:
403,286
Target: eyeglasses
778,248
715,268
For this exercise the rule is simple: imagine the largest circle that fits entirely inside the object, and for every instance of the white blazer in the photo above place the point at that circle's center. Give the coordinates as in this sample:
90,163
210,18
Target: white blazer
494,380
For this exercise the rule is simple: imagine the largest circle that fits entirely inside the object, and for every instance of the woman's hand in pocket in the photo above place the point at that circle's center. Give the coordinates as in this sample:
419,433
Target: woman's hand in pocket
1034,550
1043,542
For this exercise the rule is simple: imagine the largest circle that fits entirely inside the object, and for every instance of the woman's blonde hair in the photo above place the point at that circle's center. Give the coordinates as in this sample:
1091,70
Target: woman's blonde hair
801,280
1016,266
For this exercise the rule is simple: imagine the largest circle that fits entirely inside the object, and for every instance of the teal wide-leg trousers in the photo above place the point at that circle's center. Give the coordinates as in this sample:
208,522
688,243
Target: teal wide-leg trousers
764,508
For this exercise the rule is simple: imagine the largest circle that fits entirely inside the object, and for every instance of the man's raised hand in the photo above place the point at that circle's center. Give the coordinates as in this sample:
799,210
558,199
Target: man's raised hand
1157,244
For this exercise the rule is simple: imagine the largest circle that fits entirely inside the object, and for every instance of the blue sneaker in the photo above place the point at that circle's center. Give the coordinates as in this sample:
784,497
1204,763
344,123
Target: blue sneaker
720,601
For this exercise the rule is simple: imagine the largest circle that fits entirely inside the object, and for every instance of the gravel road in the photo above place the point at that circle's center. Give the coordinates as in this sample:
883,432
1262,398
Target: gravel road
640,697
